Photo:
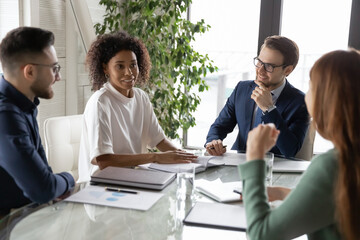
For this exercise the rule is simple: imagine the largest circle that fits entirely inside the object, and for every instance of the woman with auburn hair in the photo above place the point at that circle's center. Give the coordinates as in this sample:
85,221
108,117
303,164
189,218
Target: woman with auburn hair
326,202
119,121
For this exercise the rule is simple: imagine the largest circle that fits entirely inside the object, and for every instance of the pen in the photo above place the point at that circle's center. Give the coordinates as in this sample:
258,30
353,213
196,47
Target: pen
223,147
119,190
238,192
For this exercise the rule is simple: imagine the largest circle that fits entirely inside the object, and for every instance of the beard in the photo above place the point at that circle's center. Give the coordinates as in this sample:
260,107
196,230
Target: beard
262,81
41,90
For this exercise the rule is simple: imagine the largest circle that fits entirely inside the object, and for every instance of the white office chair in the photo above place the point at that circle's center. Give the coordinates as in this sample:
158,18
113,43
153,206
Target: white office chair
306,151
62,140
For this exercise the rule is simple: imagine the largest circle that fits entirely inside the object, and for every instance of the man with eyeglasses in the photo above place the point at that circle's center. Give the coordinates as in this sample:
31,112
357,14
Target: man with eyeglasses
30,67
268,99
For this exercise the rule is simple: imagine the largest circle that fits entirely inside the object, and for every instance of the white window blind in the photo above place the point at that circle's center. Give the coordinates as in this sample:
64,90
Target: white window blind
9,17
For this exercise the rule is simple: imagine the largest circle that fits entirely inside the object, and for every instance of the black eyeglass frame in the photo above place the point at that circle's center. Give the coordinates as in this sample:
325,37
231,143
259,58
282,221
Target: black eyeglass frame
55,67
267,65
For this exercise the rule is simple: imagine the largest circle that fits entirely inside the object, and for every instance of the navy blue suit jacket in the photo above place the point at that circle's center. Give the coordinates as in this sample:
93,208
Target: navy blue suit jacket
290,116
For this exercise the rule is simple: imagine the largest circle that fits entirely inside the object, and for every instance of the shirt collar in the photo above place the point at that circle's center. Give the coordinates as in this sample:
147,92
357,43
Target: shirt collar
117,94
17,97
276,92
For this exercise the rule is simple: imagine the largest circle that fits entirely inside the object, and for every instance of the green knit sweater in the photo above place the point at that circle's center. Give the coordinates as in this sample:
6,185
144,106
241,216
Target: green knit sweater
308,209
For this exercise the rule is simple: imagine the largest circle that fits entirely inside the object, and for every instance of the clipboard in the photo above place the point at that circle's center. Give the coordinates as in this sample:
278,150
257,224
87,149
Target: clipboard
217,215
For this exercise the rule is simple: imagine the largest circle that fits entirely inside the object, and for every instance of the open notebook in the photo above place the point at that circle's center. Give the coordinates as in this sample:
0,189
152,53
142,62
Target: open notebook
280,164
201,164
219,191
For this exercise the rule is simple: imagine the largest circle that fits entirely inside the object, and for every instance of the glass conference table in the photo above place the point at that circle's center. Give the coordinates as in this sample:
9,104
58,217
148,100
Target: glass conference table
67,220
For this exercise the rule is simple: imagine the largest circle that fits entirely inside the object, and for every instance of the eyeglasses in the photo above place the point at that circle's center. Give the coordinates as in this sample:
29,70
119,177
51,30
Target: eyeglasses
55,67
268,66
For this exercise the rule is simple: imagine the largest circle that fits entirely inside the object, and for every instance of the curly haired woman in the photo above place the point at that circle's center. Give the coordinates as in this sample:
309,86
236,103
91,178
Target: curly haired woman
119,121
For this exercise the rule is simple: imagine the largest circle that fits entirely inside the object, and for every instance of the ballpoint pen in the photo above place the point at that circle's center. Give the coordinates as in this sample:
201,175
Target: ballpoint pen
237,191
223,147
119,190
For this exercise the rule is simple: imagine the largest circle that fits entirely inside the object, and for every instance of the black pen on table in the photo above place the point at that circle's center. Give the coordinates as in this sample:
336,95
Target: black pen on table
223,147
237,191
119,190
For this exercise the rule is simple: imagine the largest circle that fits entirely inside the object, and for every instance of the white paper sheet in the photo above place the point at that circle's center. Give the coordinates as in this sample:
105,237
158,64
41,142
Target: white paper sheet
280,164
221,192
201,164
97,195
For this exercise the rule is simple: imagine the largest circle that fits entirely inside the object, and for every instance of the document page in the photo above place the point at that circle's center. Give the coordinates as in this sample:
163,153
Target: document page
219,191
201,164
280,164
97,195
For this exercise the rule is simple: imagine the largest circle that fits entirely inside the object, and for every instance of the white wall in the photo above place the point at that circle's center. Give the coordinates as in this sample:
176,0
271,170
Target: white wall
50,15
74,89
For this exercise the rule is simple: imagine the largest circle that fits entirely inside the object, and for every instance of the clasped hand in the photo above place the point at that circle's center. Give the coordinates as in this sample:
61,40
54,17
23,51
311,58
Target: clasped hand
262,96
260,140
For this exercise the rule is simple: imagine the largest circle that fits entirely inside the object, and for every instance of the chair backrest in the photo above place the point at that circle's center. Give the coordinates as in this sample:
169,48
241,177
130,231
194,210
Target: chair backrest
62,140
306,151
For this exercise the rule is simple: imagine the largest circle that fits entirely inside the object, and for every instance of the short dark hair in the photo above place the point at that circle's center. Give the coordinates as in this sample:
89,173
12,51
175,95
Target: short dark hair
106,46
285,46
23,42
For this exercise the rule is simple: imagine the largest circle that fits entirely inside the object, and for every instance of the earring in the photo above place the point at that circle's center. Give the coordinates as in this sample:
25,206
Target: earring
107,76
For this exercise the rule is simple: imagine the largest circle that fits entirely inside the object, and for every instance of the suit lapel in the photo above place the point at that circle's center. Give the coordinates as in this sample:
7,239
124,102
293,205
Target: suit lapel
283,100
249,107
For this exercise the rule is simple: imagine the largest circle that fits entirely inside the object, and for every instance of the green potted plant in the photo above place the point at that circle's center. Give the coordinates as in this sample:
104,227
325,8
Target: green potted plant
178,69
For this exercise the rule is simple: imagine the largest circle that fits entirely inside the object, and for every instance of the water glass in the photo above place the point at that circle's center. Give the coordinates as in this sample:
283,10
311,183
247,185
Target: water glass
185,182
269,160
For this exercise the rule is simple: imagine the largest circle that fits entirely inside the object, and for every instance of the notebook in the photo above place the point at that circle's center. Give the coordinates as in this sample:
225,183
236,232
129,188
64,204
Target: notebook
280,164
217,215
291,166
219,191
133,177
201,164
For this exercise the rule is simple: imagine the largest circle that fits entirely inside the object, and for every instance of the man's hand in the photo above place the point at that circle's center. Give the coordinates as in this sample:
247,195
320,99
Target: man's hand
262,96
215,148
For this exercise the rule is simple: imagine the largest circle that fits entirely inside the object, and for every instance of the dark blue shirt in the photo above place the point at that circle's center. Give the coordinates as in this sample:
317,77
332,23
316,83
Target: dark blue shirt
25,175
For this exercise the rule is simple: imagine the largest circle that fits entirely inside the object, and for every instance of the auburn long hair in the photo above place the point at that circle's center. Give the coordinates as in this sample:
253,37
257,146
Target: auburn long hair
335,84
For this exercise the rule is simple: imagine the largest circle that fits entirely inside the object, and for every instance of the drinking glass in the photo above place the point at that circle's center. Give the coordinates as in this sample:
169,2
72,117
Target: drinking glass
185,182
269,160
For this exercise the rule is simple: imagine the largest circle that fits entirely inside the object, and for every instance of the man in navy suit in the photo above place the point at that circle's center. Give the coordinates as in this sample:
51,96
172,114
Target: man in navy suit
268,99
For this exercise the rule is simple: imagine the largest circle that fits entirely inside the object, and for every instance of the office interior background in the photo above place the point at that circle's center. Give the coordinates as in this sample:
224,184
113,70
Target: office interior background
238,27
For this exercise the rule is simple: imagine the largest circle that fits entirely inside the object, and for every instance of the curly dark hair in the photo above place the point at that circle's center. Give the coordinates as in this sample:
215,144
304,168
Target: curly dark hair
106,46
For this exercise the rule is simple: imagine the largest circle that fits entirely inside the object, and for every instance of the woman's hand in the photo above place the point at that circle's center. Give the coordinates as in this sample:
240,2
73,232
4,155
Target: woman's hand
260,140
175,156
277,193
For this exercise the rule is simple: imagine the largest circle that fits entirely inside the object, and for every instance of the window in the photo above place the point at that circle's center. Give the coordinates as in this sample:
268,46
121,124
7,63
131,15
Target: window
9,17
231,43
324,28
316,26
